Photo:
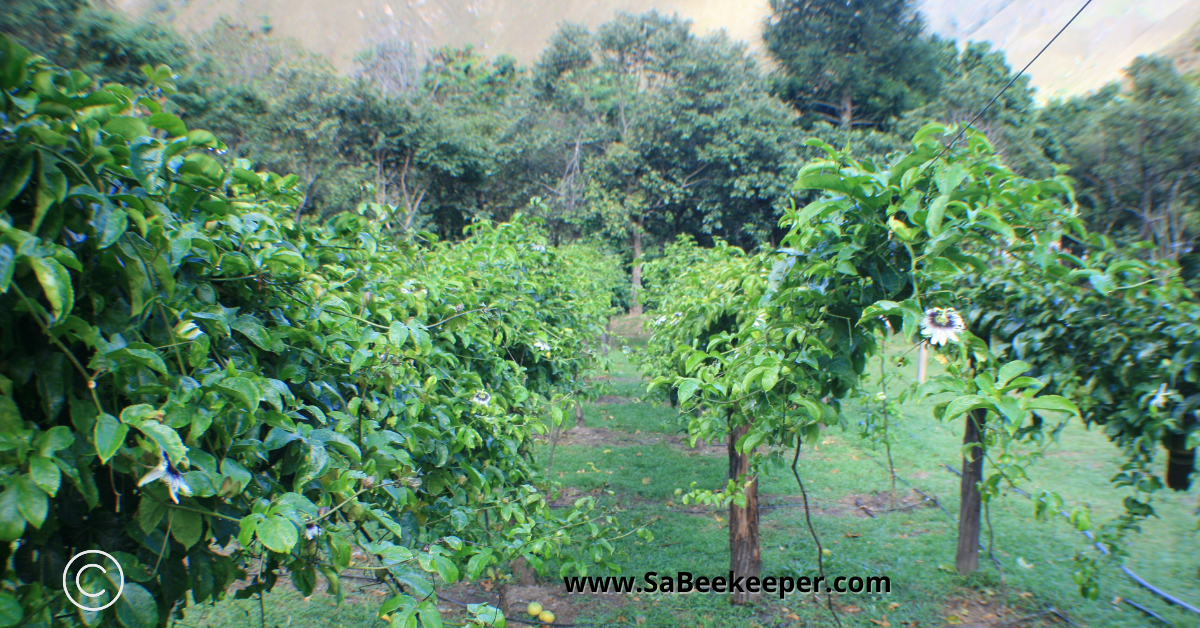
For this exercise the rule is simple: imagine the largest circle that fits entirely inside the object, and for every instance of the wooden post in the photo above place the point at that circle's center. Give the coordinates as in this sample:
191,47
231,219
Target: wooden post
969,513
745,560
922,362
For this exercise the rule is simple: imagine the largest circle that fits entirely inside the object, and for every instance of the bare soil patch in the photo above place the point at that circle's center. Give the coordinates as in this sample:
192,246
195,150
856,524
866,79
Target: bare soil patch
702,447
612,400
881,503
768,502
599,436
987,610
627,326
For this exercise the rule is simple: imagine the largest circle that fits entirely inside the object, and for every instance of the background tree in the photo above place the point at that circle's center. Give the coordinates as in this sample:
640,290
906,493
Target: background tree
1137,154
970,79
695,143
851,62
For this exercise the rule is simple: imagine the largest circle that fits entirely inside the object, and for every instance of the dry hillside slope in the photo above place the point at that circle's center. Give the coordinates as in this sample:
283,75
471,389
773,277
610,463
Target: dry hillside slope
1108,35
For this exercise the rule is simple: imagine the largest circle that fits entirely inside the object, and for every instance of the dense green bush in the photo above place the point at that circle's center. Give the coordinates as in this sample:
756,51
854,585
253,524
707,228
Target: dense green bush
197,383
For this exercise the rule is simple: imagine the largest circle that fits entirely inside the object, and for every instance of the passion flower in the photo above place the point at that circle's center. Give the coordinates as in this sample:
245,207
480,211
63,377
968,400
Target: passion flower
942,325
170,476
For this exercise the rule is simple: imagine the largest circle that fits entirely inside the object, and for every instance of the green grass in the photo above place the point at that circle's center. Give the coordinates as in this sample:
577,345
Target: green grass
915,548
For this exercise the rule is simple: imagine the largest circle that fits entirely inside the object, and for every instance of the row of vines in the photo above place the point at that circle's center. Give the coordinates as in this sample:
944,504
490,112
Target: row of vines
1037,322
215,392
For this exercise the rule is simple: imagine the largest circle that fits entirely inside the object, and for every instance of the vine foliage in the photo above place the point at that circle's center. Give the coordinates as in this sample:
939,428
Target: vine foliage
198,383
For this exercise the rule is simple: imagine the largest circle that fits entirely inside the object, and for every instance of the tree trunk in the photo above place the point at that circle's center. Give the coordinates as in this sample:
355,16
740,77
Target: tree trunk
578,414
744,558
969,514
846,111
635,307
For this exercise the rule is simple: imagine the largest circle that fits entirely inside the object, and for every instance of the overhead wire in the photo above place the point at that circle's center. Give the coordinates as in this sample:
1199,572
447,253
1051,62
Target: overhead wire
1010,82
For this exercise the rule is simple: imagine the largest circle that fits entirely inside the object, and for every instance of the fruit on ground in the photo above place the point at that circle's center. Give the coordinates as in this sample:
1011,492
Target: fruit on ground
534,609
547,617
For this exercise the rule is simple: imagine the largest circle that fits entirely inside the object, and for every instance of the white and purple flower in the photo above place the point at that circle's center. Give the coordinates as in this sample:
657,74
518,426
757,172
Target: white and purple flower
170,476
942,325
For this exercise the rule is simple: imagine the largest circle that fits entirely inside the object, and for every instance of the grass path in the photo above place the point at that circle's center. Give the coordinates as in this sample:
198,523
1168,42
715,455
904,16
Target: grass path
640,468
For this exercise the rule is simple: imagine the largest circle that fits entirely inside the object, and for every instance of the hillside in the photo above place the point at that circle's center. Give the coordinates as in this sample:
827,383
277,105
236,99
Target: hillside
1092,52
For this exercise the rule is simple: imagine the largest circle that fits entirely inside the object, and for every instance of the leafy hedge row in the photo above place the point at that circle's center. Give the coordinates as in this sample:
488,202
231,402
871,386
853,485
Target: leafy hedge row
781,337
196,381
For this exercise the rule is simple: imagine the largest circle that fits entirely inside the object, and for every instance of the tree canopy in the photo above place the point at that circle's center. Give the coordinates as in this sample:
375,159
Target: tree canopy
852,62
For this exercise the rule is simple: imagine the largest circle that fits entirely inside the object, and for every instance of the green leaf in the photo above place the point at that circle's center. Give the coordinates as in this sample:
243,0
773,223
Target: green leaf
965,404
136,607
32,502
247,177
937,211
149,513
402,603
8,264
17,170
277,534
201,169
1053,403
169,123
254,330
1102,282
489,616
137,413
203,138
234,470
55,439
247,526
903,231
1011,370
770,377
186,526
316,461
478,563
398,333
146,161
751,440
56,283
340,552
880,308
167,439
242,390
359,358
445,569
12,524
11,613
127,127
429,614
45,474
421,338
109,434
143,357
687,388
13,63
337,441
696,359
754,373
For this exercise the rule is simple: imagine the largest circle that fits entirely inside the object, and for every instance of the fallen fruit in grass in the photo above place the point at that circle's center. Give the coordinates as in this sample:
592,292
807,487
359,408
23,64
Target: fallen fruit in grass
547,617
827,552
534,609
